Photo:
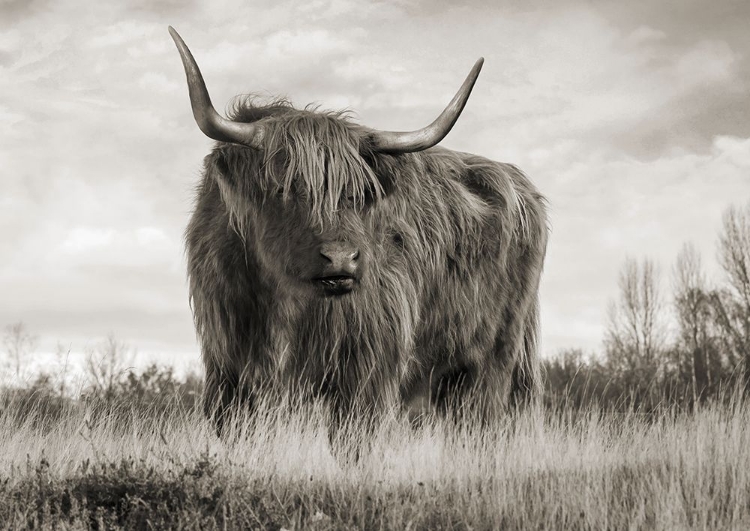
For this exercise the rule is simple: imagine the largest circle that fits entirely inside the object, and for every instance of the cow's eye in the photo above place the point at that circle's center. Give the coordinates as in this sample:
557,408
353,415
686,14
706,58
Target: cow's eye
398,240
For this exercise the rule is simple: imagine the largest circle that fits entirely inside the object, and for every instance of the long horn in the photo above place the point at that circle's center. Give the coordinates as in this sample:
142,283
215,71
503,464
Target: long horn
410,142
210,122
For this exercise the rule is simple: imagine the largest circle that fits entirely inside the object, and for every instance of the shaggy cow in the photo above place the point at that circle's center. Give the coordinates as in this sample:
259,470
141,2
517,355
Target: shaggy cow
363,266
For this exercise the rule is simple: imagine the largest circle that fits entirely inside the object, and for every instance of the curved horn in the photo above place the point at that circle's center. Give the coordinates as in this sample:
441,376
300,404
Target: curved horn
410,142
210,122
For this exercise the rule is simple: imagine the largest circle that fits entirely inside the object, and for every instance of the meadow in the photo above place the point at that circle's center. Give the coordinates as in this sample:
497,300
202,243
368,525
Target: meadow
88,465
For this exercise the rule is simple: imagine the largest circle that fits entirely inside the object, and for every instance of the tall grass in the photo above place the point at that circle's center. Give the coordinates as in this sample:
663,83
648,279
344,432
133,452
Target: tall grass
116,468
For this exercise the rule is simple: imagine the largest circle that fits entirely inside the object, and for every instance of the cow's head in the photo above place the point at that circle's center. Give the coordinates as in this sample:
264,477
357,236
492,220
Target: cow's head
306,180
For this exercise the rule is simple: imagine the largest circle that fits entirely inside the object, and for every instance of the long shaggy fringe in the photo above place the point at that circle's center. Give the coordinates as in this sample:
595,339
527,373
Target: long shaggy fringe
312,153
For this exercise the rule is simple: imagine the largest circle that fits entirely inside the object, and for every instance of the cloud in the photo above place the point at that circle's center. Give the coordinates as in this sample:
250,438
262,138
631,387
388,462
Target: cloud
160,8
12,11
85,238
706,63
644,35
158,82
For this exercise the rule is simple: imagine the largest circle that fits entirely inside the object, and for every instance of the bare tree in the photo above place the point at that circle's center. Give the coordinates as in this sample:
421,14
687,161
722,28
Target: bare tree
19,343
694,316
732,304
636,332
107,364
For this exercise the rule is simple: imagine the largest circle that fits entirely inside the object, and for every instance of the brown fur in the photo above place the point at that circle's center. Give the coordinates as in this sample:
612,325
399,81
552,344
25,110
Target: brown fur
452,247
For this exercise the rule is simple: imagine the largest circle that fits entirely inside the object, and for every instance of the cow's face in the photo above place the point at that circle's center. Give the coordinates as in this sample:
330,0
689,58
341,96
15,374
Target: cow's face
328,259
309,206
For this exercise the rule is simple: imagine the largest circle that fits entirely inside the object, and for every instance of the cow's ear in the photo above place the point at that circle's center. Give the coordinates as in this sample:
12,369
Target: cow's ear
235,170
217,166
220,168
221,163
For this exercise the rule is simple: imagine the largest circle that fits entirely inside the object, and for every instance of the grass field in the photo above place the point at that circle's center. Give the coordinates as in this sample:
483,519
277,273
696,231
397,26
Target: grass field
117,469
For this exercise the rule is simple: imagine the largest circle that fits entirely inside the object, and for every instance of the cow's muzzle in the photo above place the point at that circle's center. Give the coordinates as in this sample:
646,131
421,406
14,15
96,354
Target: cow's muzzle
339,267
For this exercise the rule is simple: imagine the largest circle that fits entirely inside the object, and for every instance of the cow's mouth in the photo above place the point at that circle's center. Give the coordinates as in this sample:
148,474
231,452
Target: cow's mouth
336,284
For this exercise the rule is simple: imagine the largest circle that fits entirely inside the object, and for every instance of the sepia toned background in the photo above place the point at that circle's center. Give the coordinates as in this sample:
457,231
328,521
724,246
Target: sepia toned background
631,117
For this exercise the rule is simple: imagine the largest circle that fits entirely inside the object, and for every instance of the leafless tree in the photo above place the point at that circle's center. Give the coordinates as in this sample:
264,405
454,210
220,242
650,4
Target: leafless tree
19,343
694,317
636,331
732,303
107,364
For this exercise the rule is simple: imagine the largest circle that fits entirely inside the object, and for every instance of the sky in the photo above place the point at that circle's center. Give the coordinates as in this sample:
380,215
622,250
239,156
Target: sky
631,117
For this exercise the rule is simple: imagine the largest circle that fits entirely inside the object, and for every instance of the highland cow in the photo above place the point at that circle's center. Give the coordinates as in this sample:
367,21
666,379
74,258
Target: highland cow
368,268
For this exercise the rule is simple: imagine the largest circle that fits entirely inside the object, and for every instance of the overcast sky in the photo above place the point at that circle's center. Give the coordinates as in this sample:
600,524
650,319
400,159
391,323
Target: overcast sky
632,118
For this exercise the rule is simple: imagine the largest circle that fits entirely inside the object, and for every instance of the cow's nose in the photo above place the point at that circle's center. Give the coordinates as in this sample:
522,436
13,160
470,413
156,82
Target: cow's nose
340,257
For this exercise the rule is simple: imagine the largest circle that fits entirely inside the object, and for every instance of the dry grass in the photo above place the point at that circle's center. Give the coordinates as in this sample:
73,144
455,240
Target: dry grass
119,470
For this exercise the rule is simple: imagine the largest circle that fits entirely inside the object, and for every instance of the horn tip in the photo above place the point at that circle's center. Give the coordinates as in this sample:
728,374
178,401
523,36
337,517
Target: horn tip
173,33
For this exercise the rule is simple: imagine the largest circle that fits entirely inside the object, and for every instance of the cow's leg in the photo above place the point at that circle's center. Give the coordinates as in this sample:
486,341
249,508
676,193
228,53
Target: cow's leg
504,374
350,430
342,432
355,419
526,379
471,393
224,397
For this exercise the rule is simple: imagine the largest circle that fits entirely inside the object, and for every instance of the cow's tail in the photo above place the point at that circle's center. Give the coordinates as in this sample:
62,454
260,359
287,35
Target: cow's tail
526,383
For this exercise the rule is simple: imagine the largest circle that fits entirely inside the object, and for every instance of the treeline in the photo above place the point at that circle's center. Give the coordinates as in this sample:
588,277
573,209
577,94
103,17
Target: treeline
679,350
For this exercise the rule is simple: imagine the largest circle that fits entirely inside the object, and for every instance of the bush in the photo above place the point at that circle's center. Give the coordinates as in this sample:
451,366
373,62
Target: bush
37,403
154,391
